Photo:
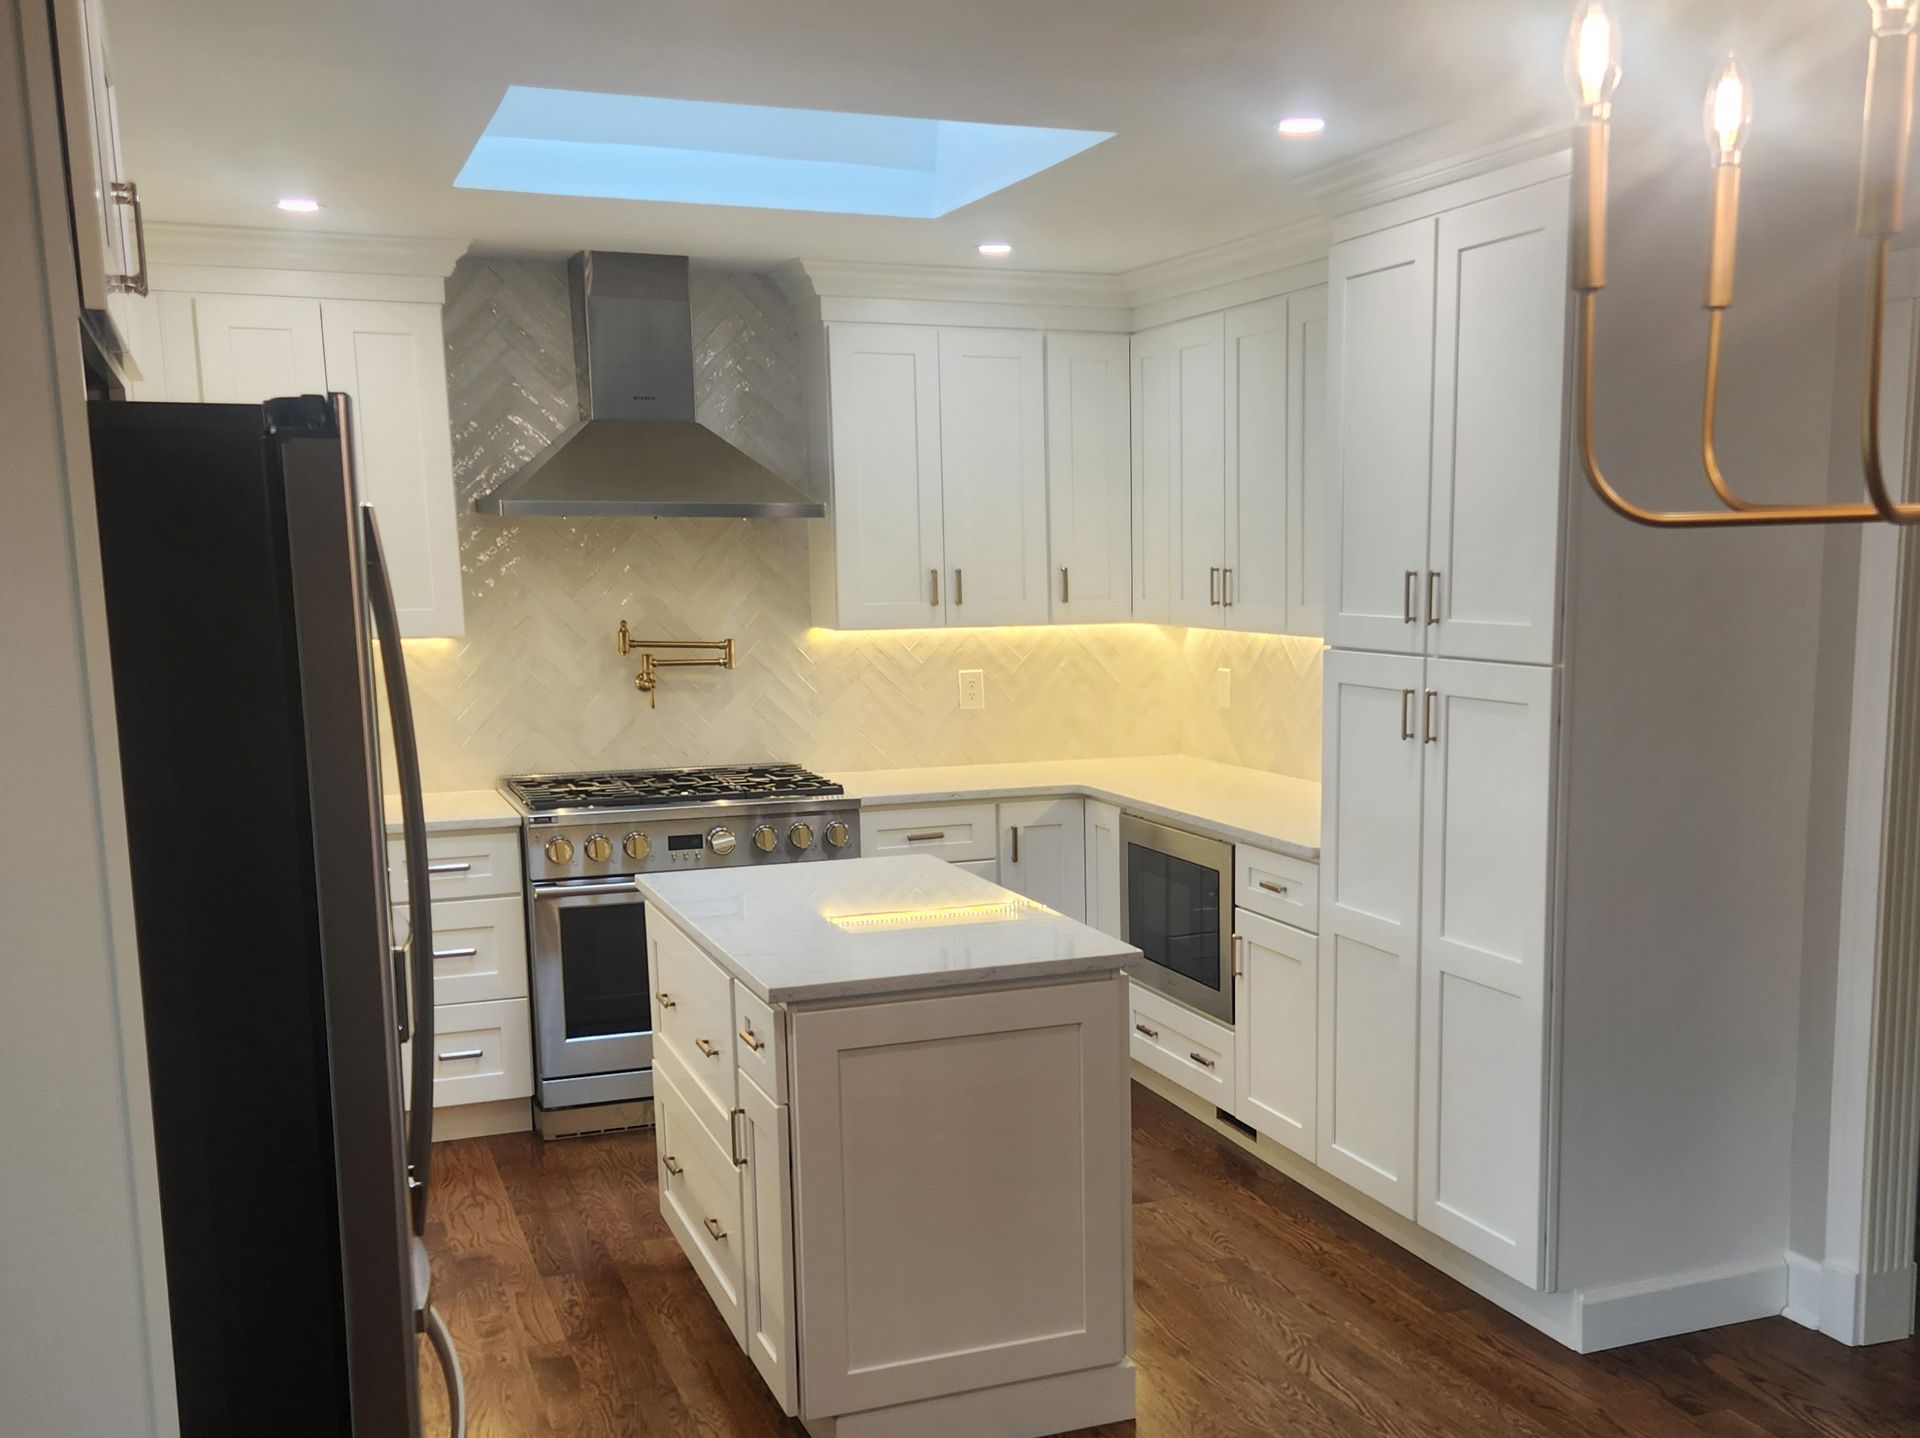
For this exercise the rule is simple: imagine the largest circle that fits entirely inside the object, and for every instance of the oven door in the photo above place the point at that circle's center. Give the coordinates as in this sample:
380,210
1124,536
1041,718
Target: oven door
592,1002
1176,907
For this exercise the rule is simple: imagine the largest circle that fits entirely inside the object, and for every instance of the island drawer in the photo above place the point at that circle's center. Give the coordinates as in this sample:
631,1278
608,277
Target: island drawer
759,1043
693,1011
947,831
1277,886
1177,1043
700,1195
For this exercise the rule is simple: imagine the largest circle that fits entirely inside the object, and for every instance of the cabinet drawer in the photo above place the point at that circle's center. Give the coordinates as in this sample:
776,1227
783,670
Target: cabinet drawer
760,1045
463,864
1177,1043
482,1052
947,831
693,1014
700,1195
1279,887
479,949
988,869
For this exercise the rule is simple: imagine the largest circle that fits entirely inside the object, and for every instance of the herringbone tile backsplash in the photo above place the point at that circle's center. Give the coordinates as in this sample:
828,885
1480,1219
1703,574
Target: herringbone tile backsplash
537,684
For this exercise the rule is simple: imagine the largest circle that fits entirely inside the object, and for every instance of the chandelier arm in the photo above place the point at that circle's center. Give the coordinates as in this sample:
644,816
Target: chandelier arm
1709,412
1884,504
1679,518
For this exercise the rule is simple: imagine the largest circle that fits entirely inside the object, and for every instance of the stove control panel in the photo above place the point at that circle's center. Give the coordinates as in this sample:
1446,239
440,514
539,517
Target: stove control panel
608,845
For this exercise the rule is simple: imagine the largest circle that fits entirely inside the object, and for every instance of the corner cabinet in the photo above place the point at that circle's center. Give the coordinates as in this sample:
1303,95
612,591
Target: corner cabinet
387,356
1446,363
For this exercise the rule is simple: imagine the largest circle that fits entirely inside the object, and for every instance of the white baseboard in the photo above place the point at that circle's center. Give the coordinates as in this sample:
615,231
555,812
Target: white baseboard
1859,1310
1679,1303
1805,1282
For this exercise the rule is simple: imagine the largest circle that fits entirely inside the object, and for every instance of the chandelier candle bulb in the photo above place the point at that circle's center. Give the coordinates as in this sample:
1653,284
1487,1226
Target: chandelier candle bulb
1729,114
1887,127
1593,71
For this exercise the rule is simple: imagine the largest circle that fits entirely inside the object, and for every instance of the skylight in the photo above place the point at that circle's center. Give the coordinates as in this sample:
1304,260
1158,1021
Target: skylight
698,152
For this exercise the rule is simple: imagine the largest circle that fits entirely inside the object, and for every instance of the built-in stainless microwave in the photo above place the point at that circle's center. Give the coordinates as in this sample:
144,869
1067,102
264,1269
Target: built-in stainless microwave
1176,907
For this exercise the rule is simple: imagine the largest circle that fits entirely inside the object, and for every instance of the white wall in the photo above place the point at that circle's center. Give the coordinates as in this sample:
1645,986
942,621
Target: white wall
79,1250
1691,664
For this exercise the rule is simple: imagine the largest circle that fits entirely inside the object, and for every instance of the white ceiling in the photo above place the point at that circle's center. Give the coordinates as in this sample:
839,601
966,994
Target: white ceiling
372,107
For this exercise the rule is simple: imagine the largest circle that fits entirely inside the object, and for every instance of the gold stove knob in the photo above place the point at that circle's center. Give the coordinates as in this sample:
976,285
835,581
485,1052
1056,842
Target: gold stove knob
599,848
560,850
837,834
764,838
637,845
801,835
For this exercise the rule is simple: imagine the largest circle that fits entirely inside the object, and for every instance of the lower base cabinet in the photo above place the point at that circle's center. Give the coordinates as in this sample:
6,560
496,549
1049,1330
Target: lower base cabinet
766,1159
1275,1071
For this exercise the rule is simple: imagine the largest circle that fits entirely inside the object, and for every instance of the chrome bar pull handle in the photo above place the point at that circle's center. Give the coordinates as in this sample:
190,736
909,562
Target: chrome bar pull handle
1431,717
933,587
734,1146
1066,588
1433,596
1200,1058
126,192
1406,713
450,867
468,953
1407,601
1213,585
1226,587
1016,843
929,837
1273,888
454,1054
959,587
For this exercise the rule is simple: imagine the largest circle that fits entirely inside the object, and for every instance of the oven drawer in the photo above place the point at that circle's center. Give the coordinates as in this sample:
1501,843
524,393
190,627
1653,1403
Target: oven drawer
1177,1043
693,1011
947,831
700,1195
462,864
759,1043
482,1052
479,949
1277,886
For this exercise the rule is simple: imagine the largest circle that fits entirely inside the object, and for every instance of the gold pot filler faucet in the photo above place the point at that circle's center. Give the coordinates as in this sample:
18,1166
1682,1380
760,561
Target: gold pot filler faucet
647,681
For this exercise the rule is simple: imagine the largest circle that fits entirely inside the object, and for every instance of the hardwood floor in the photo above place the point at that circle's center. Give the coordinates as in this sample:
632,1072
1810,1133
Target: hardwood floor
1261,1310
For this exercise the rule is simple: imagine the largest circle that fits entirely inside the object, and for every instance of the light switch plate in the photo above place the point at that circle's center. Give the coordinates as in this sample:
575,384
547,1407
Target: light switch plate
1223,688
973,689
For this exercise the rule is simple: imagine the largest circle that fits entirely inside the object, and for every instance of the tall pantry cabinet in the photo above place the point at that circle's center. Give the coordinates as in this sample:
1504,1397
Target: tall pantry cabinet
1446,320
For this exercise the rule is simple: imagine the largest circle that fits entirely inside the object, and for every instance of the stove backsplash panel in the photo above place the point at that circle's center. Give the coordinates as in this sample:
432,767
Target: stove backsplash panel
536,684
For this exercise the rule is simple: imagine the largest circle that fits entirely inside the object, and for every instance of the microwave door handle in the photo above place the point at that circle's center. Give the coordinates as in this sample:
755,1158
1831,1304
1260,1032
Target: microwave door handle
413,819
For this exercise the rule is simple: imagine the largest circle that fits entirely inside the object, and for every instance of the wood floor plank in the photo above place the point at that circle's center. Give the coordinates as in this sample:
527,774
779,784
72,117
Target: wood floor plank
1260,1309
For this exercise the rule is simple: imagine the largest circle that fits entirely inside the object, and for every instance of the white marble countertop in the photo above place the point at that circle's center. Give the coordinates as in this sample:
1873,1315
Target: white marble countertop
1250,806
857,927
459,809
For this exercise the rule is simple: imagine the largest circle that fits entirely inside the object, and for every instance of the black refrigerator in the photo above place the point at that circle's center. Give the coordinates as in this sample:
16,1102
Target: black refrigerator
245,592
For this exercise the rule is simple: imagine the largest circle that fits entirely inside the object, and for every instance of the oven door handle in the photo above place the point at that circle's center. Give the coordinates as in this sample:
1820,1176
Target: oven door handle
562,891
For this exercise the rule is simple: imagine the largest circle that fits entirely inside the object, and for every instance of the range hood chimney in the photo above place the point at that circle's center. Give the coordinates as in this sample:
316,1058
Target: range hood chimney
638,450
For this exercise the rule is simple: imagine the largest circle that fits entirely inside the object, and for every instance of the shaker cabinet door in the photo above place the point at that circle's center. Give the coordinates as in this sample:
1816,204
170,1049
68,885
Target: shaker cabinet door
1089,478
1043,853
1257,547
993,468
258,347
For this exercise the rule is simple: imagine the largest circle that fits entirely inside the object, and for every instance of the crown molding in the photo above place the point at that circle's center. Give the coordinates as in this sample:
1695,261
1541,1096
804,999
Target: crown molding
1433,158
1299,242
240,247
846,280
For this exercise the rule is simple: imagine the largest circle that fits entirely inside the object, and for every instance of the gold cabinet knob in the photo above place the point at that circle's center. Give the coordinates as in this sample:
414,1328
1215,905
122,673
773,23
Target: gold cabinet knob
721,840
599,848
801,835
837,834
764,838
560,850
637,845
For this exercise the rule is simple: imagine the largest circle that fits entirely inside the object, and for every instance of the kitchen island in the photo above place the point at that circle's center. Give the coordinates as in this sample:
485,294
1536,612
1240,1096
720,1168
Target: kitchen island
892,1118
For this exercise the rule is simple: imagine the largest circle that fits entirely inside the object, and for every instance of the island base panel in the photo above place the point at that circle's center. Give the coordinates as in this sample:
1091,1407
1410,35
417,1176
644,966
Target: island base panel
1057,1403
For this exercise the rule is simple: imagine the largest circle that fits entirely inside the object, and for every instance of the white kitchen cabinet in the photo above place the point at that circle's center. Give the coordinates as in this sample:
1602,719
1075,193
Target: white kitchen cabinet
1179,438
701,1195
1485,857
1043,853
1498,378
1446,379
1379,435
260,347
767,1297
1306,559
1369,992
955,832
888,547
390,360
1103,867
1181,1044
993,465
479,948
988,869
1253,548
1089,478
1277,1017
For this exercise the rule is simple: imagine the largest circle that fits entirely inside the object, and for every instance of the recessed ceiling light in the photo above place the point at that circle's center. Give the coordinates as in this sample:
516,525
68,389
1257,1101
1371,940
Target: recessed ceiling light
298,204
1298,125
996,250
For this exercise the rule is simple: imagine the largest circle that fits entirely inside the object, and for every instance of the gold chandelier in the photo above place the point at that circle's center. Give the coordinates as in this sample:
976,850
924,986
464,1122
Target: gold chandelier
1593,71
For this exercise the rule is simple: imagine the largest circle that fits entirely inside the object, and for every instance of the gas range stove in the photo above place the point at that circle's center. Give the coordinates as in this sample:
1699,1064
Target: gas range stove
635,821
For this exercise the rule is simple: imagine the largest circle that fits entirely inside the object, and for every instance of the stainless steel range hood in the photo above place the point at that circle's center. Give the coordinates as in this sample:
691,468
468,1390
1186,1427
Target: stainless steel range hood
637,449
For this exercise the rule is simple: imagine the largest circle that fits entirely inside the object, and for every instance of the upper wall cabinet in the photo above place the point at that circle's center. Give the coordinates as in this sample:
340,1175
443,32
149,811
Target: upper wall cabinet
1089,489
1228,425
942,483
388,357
1446,339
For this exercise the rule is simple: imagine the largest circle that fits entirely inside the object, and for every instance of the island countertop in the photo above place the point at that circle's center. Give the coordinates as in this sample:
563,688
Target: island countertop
852,928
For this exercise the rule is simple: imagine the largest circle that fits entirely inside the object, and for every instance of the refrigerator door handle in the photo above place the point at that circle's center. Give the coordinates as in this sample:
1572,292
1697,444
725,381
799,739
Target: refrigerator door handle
393,665
442,1343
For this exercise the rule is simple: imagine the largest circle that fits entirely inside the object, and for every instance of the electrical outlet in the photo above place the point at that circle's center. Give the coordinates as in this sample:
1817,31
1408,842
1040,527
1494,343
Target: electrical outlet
973,689
1223,688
